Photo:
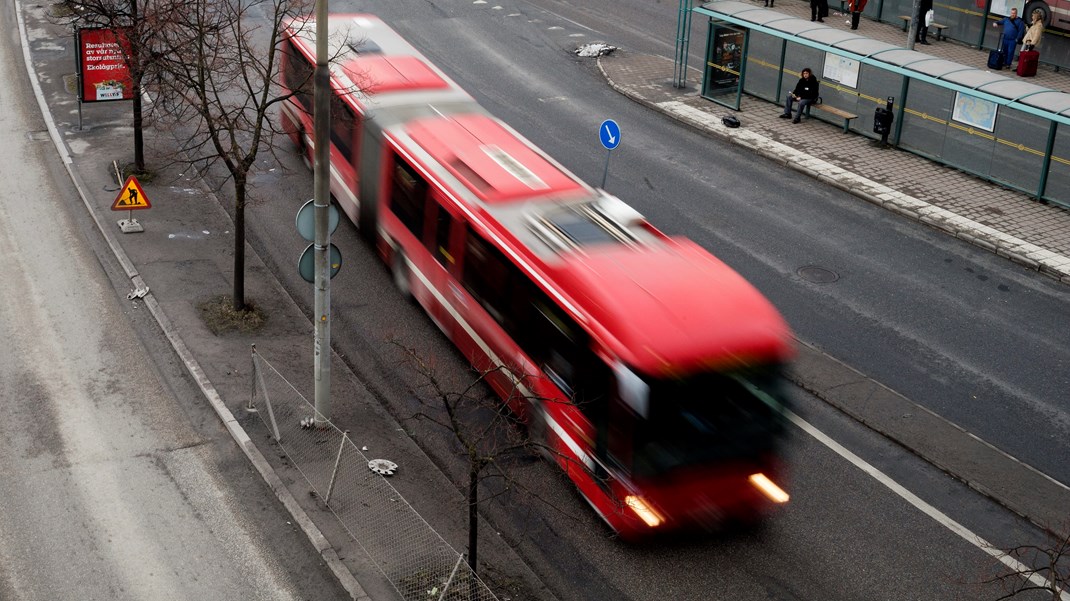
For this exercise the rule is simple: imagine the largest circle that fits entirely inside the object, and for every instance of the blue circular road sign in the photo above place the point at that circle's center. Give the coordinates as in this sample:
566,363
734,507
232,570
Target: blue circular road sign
609,134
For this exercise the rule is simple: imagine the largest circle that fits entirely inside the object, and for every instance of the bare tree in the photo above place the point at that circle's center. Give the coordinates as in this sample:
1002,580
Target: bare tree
1042,569
216,73
484,428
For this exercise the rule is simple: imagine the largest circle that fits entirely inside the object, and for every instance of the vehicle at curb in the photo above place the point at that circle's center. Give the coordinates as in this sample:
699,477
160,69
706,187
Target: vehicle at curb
650,369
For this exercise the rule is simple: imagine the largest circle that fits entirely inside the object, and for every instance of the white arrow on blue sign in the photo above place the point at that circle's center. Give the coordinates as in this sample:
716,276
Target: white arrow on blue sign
609,134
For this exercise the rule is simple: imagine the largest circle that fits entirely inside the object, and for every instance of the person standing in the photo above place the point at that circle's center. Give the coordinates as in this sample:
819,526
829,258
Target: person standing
856,7
1013,32
1035,31
819,9
924,6
805,93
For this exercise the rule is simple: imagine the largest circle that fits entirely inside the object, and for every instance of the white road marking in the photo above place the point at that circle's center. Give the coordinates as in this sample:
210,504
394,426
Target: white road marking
937,515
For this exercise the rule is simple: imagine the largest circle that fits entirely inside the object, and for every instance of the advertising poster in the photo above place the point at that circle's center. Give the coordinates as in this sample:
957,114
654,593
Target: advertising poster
725,62
102,64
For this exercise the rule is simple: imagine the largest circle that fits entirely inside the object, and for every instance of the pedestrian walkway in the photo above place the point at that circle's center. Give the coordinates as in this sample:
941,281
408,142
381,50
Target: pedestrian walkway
1004,221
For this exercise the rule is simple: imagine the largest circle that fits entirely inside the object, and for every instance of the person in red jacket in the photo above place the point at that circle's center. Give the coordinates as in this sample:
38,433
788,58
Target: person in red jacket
856,7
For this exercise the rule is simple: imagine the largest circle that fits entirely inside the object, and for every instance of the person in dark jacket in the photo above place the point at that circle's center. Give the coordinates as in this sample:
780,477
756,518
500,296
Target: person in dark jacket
856,7
805,93
1013,32
924,6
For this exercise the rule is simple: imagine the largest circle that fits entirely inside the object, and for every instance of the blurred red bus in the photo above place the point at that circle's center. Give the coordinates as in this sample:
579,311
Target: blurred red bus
649,367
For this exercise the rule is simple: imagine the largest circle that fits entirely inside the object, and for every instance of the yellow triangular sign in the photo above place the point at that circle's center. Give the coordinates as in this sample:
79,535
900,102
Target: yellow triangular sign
131,197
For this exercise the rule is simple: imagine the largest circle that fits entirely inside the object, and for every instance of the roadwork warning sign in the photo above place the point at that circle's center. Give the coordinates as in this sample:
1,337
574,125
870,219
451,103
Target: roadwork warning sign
131,197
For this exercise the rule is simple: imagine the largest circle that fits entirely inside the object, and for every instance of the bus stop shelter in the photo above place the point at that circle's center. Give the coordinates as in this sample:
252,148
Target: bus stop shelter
1003,129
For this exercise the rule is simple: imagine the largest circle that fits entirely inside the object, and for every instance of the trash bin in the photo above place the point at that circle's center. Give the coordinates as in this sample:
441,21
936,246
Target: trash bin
882,121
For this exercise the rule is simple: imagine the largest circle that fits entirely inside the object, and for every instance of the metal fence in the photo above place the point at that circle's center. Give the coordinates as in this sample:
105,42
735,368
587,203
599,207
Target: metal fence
419,564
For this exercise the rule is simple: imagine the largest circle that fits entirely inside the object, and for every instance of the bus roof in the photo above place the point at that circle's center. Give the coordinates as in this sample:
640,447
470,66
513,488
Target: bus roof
370,59
673,304
381,74
493,162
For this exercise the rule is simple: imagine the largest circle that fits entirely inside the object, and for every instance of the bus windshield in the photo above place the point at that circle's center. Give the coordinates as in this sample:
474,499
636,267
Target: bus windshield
709,417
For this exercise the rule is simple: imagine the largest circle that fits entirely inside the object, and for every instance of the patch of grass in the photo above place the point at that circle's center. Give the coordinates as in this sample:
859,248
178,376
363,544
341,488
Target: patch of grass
219,315
143,177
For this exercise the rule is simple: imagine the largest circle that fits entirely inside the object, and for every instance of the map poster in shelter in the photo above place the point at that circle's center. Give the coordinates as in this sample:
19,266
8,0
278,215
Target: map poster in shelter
974,112
724,62
102,65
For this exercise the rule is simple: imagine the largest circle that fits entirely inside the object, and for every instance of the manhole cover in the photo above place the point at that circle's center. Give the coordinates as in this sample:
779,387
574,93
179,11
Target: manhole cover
817,275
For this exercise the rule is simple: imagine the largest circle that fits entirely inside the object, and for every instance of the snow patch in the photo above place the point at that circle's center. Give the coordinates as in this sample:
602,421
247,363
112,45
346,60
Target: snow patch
594,49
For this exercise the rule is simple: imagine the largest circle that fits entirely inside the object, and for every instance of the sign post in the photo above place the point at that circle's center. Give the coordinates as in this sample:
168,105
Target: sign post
131,197
609,135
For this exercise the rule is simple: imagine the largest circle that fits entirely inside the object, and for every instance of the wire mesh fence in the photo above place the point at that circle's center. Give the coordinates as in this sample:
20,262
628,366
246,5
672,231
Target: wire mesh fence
419,564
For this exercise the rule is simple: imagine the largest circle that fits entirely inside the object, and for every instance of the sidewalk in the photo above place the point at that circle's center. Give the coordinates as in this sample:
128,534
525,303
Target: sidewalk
1006,222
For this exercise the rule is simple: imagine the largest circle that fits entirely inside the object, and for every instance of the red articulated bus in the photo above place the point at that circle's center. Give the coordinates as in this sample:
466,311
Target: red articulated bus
651,368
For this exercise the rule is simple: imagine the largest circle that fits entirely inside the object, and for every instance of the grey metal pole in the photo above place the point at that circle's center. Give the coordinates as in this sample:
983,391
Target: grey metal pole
605,171
322,198
912,31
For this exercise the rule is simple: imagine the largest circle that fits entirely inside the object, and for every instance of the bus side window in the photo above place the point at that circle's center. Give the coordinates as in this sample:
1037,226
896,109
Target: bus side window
485,275
407,197
344,124
440,245
555,342
298,75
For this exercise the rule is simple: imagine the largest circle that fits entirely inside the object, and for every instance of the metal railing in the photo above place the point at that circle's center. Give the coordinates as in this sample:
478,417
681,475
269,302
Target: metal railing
415,559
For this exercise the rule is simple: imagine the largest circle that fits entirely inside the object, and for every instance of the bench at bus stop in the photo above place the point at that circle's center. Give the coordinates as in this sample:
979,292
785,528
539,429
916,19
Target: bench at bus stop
939,27
820,105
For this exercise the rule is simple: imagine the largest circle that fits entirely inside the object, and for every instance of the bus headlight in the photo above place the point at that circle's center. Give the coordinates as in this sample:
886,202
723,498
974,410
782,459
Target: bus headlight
644,511
768,488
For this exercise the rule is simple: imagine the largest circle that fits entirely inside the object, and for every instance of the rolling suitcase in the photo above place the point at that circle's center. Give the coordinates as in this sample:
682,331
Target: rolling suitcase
995,59
1027,63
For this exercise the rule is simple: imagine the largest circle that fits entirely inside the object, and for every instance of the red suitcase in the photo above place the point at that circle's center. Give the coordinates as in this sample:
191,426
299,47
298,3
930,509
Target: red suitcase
1027,63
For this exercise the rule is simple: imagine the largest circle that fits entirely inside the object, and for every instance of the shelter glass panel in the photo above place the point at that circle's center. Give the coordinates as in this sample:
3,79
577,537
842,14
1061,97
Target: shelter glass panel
875,85
763,66
1057,189
925,120
1019,152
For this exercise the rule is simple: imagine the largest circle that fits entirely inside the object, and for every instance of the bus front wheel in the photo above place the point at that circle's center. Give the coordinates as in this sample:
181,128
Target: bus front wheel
400,269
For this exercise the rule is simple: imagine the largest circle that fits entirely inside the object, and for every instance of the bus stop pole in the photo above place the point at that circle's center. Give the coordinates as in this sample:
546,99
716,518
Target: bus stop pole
322,200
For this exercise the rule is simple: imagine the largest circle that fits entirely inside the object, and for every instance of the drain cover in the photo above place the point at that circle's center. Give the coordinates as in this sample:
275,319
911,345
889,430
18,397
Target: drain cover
382,466
817,275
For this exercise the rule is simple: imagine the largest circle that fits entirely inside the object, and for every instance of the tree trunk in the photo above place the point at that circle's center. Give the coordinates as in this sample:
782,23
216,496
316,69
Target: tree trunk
139,141
239,241
136,73
473,517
